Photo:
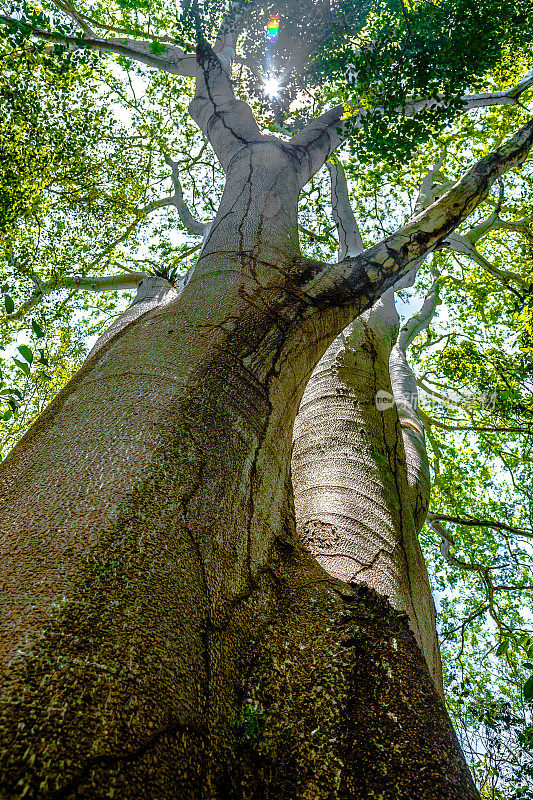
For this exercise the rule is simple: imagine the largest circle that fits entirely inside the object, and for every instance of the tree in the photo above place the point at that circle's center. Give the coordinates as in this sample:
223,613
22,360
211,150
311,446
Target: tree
166,632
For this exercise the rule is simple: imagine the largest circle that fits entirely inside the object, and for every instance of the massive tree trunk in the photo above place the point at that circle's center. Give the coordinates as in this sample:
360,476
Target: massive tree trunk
164,633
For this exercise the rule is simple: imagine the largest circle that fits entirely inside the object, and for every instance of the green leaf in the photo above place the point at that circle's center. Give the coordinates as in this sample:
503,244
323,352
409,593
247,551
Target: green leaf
38,331
157,48
22,366
9,304
503,648
528,688
26,353
42,358
7,415
528,665
529,653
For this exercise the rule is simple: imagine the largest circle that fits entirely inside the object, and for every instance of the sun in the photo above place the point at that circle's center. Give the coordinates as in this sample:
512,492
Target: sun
271,87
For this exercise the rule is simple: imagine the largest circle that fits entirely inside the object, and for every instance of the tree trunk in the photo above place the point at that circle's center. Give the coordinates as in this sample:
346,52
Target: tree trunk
164,635
356,509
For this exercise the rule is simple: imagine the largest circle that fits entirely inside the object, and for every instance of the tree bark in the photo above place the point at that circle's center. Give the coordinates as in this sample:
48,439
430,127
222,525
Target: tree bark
356,509
163,633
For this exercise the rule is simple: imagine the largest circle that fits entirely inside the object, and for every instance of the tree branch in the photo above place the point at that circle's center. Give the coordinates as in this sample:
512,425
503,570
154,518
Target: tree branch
333,131
420,321
193,225
462,244
97,284
173,60
69,9
350,241
315,143
227,123
361,280
430,421
474,522
428,192
485,99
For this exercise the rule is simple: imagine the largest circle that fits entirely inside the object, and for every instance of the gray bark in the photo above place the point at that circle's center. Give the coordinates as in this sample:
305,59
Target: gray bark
359,505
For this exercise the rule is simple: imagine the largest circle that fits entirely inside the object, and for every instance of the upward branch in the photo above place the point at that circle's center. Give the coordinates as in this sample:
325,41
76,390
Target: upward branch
361,280
228,123
350,241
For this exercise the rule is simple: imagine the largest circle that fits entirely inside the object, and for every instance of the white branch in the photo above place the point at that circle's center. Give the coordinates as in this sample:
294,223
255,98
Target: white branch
314,144
193,225
358,282
420,321
461,244
430,191
104,283
69,9
228,123
173,60
350,241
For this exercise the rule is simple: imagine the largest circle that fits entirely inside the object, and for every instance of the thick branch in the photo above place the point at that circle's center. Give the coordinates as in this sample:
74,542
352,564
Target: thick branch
364,278
173,60
228,123
485,99
315,143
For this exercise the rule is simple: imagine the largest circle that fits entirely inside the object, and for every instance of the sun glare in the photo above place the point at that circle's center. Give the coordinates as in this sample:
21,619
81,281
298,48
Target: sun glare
271,87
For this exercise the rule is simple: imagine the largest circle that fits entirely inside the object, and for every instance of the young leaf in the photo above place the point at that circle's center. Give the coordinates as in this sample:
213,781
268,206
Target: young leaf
26,353
42,358
38,331
503,648
22,366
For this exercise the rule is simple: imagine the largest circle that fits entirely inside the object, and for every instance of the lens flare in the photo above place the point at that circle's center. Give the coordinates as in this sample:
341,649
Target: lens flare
273,28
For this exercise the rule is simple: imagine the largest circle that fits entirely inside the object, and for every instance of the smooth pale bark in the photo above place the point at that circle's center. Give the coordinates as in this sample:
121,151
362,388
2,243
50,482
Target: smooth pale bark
356,509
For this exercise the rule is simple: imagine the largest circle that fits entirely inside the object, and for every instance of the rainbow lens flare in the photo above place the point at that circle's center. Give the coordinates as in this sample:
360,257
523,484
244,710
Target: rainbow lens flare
273,28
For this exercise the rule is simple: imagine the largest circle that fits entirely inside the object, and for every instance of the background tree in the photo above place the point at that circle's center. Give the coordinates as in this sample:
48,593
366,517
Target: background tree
190,617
